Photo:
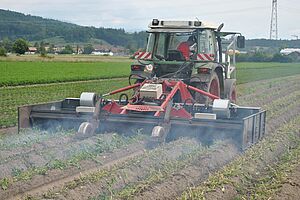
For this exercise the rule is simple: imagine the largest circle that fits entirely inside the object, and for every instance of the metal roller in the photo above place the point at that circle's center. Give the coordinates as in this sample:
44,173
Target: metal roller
88,99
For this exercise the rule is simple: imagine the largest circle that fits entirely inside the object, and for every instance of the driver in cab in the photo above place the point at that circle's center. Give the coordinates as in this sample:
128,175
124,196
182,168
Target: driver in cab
187,48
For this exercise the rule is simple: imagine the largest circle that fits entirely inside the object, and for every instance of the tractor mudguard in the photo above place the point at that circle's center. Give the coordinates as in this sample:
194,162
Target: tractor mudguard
204,77
200,78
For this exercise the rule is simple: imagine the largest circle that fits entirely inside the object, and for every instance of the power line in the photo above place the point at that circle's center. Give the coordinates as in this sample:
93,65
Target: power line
274,24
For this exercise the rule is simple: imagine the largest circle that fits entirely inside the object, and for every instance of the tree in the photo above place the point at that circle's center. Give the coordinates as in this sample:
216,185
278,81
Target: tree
88,49
2,51
20,46
7,44
42,49
281,58
51,48
67,50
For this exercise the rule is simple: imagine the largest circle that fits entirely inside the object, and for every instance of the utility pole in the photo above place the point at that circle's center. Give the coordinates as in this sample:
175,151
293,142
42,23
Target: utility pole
295,36
274,25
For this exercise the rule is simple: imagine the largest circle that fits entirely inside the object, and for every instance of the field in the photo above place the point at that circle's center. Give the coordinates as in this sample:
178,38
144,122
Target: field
41,165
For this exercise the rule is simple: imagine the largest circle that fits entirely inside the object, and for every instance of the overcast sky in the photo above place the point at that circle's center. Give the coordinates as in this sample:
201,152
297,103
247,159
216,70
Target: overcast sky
251,17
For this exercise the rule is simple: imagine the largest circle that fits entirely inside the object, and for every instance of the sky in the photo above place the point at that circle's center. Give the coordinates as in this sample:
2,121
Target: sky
252,17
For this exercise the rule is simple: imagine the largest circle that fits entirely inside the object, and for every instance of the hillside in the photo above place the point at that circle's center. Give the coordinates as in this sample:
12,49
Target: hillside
14,25
33,28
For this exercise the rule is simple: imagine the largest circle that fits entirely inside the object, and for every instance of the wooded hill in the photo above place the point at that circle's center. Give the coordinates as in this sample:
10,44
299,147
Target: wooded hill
17,25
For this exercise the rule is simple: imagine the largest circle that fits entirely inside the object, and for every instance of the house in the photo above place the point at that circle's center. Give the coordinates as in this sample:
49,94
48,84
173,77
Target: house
288,51
31,50
102,52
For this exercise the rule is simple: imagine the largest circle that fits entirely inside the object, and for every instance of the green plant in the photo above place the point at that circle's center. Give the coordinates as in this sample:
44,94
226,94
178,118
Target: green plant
4,183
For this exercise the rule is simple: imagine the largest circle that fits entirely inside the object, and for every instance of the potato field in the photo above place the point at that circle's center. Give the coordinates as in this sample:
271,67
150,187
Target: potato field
35,164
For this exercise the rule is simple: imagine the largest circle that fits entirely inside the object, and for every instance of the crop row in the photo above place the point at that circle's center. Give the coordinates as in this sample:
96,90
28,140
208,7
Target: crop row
246,167
270,182
281,110
24,73
130,177
27,164
11,98
249,92
27,138
249,72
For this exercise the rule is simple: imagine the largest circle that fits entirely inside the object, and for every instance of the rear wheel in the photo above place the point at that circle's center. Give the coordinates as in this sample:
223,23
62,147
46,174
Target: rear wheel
233,94
212,86
230,90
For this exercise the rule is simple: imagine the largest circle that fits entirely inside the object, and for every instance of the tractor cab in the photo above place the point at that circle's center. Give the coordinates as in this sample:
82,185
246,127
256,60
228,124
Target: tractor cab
192,51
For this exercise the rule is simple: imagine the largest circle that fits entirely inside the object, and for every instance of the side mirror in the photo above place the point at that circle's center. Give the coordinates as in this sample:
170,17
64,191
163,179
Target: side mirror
241,42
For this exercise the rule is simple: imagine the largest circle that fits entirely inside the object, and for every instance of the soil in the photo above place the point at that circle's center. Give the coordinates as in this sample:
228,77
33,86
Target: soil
290,189
287,110
131,171
194,173
5,131
254,169
108,174
56,177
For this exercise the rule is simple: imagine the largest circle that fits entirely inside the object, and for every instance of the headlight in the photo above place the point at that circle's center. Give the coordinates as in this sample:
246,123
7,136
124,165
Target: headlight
148,68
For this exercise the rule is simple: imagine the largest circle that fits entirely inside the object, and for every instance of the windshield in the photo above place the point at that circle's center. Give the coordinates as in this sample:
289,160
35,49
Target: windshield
171,46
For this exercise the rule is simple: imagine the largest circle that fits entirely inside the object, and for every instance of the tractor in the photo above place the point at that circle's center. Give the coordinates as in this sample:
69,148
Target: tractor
209,64
184,86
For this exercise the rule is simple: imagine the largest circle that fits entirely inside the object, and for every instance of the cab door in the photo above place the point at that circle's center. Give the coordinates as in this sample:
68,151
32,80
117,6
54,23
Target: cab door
206,45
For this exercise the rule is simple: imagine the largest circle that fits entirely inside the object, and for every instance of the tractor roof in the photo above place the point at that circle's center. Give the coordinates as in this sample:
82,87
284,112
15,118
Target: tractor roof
179,25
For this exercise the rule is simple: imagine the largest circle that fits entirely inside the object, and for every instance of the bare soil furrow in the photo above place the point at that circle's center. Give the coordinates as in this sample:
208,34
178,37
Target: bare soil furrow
269,89
57,177
131,172
48,155
290,187
228,183
193,173
106,182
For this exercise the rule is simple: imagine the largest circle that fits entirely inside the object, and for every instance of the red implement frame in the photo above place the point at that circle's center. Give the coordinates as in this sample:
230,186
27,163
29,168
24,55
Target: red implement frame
115,108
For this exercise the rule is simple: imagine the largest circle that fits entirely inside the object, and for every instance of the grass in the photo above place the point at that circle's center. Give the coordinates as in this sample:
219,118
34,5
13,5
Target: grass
24,73
249,72
20,72
11,98
65,58
37,70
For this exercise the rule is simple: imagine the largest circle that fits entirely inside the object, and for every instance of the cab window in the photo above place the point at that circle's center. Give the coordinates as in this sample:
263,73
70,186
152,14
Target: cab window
206,42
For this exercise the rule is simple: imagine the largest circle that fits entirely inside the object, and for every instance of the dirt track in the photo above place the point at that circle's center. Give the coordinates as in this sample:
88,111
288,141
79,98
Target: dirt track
60,166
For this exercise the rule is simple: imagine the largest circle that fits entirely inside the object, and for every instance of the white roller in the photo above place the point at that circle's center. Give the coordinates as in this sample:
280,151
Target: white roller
88,99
